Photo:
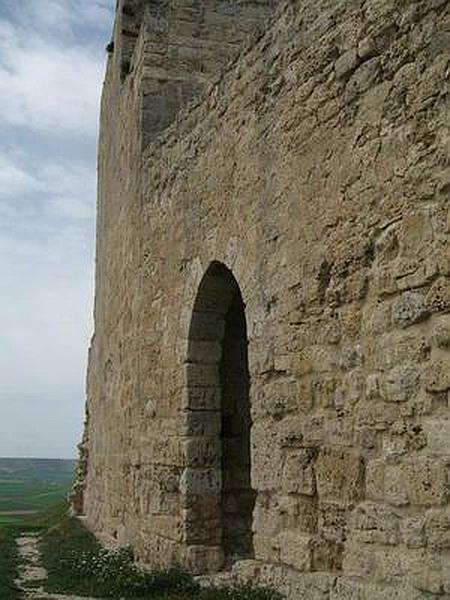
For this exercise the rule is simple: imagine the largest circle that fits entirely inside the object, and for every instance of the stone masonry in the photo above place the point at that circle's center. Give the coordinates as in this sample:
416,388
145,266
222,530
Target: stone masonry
268,384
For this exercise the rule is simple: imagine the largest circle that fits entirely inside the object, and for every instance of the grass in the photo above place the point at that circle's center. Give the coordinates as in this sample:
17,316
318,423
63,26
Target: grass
9,559
27,485
75,561
31,485
77,564
8,564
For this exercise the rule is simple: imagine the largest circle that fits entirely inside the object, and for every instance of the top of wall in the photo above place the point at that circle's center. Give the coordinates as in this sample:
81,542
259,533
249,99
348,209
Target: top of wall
179,47
308,43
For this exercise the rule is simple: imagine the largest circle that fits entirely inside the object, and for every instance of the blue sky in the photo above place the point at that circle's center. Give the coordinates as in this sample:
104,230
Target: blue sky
52,59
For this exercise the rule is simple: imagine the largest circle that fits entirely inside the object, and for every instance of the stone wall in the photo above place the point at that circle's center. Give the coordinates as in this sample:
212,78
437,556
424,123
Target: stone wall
308,188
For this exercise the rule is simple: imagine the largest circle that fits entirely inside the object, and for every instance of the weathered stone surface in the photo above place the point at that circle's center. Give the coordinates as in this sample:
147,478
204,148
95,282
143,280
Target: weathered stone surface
438,530
346,63
438,435
437,375
426,482
296,550
375,523
340,475
402,383
268,384
298,472
441,334
409,308
438,297
413,531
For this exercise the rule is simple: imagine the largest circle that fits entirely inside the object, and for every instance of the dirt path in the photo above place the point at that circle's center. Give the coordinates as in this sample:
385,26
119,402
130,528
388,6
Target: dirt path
32,575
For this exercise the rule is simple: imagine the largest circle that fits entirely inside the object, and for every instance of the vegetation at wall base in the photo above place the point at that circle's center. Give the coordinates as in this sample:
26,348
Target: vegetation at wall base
77,564
8,564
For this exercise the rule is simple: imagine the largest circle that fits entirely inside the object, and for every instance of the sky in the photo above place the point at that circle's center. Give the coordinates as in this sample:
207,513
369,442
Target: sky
52,60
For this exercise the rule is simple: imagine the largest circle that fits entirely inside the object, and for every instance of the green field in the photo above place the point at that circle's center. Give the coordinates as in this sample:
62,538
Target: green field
29,486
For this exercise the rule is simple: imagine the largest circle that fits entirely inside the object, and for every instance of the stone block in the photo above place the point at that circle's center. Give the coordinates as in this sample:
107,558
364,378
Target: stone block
401,438
346,63
340,475
347,588
437,436
282,398
200,423
201,528
413,531
425,482
196,484
266,516
327,555
267,462
374,523
313,431
409,308
402,383
426,574
351,357
395,485
266,548
165,526
314,359
378,416
437,375
446,577
364,77
441,334
437,527
437,299
201,398
386,482
298,513
202,452
291,433
165,450
201,375
296,550
323,390
298,472
377,564
332,523
402,347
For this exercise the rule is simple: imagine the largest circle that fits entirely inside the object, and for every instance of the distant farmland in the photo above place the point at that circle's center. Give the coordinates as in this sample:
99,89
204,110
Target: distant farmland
28,486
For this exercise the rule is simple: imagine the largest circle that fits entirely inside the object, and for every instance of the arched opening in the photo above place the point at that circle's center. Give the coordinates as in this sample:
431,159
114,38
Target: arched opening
218,497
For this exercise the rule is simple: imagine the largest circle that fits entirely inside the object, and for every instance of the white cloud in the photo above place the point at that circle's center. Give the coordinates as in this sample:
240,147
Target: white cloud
63,189
51,64
49,88
64,15
14,180
45,319
50,77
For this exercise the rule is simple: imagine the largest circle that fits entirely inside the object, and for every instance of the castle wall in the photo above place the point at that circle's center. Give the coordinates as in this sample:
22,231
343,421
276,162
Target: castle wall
316,171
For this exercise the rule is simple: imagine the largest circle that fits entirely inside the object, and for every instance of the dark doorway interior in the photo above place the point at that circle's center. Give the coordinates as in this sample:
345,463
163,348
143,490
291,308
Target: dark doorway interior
218,341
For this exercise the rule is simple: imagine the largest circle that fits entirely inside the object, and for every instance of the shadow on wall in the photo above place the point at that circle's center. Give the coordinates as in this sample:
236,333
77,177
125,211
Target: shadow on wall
217,491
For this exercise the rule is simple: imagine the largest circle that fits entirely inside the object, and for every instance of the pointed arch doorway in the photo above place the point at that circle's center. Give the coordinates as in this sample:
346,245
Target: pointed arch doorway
218,498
